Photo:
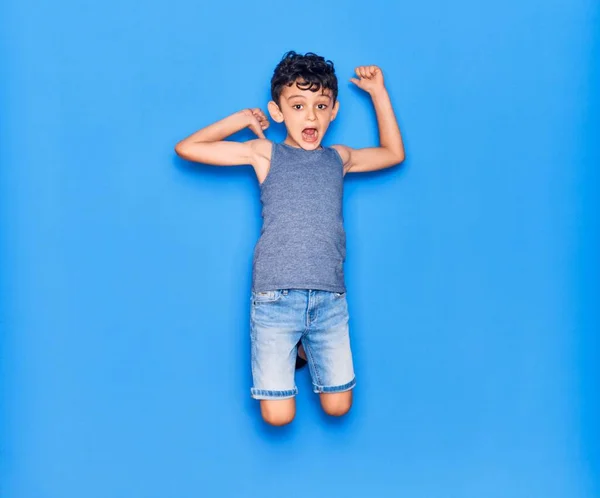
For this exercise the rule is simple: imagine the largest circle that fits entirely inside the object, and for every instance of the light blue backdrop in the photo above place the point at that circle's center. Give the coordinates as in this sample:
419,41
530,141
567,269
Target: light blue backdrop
472,270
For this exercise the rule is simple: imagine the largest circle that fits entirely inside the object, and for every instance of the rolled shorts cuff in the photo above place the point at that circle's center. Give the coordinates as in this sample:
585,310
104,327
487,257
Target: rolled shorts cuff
334,389
266,394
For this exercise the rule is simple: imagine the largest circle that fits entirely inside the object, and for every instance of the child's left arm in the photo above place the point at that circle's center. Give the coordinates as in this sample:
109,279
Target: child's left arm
391,148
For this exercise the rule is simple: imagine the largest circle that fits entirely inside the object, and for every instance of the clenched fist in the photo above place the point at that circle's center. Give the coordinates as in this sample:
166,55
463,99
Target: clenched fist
257,121
370,78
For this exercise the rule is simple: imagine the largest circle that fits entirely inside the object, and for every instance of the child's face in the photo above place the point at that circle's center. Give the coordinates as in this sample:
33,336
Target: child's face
306,115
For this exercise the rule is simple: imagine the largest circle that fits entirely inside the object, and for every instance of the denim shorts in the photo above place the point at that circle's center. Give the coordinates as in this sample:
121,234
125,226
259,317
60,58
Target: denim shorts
279,319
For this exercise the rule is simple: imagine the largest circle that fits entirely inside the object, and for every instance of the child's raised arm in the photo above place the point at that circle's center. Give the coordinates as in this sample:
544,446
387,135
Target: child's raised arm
391,148
208,145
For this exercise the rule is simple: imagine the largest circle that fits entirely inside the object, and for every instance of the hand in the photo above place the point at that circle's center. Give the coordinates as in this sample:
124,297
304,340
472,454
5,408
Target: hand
371,78
257,121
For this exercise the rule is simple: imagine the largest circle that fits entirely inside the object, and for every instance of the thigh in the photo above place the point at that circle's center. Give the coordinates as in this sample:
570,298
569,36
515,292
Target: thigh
327,346
275,333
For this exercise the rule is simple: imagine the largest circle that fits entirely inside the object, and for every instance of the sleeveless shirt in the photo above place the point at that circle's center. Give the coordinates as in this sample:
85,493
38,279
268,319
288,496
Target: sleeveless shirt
302,243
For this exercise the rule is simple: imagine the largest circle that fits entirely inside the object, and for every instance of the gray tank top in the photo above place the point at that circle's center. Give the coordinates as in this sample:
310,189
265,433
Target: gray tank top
302,243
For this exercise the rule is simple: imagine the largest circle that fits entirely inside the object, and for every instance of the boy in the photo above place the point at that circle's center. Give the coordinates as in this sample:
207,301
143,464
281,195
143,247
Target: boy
298,296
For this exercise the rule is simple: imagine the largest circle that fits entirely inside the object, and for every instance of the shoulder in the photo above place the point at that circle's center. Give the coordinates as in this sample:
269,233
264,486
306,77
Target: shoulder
261,148
345,153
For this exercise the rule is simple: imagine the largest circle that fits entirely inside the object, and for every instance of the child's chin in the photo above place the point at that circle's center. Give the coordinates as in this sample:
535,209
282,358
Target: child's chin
311,145
308,145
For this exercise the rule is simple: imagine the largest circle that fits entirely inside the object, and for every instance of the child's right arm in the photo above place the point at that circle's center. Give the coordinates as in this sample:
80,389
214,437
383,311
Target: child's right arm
208,145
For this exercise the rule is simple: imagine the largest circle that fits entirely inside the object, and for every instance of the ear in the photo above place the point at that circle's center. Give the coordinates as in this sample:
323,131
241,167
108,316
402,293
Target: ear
336,108
275,112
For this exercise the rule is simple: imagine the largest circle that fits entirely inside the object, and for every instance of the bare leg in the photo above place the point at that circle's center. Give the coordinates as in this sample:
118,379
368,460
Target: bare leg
278,411
336,404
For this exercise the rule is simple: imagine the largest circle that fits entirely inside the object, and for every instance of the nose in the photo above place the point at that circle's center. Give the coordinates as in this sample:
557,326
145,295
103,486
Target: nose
310,114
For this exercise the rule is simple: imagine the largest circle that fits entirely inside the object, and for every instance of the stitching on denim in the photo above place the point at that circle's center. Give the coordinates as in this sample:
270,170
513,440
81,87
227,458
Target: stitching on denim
252,343
273,393
309,355
304,286
335,389
277,297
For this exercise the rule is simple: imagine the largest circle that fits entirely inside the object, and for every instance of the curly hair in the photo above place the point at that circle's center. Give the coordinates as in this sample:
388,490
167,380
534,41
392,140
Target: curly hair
309,72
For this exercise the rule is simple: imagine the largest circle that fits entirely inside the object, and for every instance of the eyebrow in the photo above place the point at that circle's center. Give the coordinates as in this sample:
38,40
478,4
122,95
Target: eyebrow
303,97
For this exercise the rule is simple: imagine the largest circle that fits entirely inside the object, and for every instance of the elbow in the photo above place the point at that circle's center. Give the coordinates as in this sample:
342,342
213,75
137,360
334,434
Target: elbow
182,150
179,149
394,155
398,157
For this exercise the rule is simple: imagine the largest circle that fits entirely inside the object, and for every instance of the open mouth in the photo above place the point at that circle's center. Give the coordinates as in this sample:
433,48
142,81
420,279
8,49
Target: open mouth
310,134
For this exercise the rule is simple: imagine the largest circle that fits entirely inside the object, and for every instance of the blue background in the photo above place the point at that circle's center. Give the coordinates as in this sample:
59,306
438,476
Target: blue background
473,272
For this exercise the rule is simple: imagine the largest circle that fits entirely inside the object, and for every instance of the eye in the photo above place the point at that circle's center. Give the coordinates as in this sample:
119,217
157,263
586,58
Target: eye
297,106
322,107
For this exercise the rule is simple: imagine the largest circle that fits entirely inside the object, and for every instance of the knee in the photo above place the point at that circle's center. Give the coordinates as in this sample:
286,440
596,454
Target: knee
337,410
276,413
277,419
337,404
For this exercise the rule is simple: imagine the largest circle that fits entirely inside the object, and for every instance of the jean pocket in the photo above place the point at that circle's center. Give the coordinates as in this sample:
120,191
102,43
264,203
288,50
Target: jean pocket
270,296
339,294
